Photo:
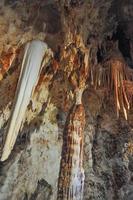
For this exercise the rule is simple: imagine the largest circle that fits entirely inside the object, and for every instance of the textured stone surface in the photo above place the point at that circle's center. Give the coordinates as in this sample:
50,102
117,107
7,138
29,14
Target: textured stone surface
32,171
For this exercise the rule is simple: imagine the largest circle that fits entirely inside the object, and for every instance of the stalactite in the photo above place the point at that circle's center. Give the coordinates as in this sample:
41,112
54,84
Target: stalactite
128,84
29,75
118,75
113,75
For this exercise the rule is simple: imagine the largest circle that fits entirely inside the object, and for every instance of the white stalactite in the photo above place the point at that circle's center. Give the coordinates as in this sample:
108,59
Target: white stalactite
29,75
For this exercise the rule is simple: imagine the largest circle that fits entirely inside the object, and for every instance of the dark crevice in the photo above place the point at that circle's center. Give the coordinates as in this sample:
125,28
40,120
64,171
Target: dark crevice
123,44
100,54
43,190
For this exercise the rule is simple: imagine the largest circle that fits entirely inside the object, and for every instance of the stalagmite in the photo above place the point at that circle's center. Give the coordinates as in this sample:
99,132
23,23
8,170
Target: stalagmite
71,178
71,181
29,75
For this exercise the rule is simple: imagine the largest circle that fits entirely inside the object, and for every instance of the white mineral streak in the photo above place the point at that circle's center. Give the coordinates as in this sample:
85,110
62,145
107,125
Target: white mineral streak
79,93
29,75
77,173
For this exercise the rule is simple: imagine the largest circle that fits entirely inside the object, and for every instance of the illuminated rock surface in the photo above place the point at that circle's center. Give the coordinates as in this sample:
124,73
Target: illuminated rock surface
87,40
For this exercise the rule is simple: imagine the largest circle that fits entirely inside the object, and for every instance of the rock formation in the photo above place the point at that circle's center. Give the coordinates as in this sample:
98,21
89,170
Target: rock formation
66,109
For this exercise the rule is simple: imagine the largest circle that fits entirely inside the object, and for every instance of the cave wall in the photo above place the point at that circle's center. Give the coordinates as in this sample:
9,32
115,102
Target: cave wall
32,170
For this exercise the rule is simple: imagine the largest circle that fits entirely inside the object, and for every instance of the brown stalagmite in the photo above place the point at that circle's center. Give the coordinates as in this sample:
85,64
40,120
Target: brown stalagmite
71,180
